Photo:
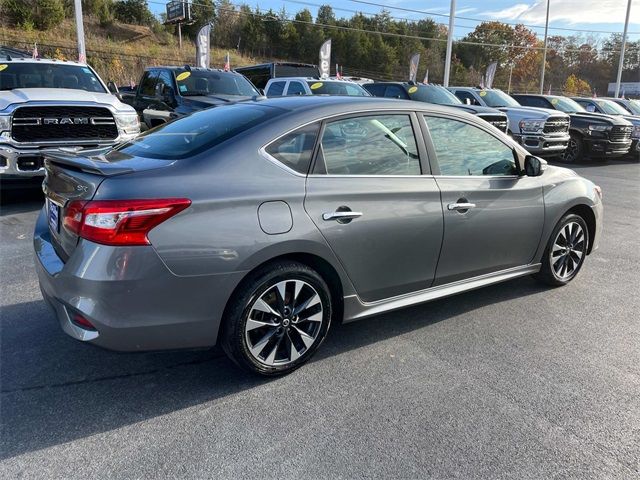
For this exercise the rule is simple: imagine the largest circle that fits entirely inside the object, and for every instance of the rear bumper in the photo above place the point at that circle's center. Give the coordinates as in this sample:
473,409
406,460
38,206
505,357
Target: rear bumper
130,296
543,145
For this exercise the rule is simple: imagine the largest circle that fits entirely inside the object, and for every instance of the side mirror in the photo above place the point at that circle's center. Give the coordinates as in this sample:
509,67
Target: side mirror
534,166
113,88
262,92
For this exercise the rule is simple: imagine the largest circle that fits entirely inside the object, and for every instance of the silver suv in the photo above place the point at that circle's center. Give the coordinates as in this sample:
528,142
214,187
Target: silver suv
541,131
50,104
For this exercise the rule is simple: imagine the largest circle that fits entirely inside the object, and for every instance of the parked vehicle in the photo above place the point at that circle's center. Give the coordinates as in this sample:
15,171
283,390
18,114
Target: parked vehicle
259,75
592,134
608,107
51,104
167,93
541,131
288,86
630,105
439,96
179,238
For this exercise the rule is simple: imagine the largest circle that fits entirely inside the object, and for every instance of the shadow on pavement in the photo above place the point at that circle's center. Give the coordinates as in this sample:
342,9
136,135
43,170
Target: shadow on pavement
55,389
20,198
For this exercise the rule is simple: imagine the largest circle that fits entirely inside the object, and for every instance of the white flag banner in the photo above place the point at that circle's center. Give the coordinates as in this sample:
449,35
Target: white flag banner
413,67
490,75
426,77
203,47
325,59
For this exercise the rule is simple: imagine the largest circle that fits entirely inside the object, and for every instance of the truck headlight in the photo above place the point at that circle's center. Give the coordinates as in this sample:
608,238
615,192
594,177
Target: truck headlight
531,125
599,128
128,122
635,133
5,123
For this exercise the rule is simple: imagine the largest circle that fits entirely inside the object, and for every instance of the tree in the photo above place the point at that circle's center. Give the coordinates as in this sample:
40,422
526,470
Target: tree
576,86
133,11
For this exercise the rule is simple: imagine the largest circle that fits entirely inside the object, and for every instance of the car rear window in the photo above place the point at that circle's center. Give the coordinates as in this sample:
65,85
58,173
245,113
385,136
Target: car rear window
198,132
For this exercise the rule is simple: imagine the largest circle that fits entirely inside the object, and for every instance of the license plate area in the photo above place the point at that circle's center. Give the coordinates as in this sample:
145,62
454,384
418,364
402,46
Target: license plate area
53,213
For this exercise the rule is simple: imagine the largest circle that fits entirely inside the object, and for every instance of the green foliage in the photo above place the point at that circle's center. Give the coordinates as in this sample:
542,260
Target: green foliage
29,14
133,11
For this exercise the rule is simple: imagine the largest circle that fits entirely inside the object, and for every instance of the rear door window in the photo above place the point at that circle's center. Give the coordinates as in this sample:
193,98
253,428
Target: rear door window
296,148
276,89
369,145
295,88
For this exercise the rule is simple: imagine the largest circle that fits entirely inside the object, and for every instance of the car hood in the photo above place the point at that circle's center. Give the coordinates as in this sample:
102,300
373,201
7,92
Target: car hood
612,119
59,95
531,112
477,109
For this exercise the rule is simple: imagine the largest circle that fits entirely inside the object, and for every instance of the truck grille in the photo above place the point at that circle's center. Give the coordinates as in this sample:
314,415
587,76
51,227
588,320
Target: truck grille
620,134
498,121
63,123
556,125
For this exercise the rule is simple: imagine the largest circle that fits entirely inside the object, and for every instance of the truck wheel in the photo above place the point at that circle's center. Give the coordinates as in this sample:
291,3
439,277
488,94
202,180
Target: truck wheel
575,149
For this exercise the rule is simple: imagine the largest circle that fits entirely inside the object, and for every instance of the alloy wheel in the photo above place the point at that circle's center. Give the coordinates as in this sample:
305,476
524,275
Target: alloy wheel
571,153
568,250
284,322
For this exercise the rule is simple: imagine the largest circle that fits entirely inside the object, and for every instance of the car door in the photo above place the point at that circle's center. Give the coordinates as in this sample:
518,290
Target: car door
493,217
161,109
146,91
369,198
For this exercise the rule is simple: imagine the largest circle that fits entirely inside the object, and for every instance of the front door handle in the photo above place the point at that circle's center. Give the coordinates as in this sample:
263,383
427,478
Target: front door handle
461,206
344,216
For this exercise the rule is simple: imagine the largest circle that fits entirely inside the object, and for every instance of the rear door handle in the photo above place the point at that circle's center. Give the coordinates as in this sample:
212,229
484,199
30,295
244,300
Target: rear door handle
461,206
348,215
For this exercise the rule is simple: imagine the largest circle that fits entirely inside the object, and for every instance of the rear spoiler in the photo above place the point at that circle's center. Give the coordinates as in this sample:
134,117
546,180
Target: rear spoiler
96,164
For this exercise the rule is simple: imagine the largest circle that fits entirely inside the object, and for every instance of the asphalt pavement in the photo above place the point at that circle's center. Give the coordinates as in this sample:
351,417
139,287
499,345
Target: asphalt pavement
516,381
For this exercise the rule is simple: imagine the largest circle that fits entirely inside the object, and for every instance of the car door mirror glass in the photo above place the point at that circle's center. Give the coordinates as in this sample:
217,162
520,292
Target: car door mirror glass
533,166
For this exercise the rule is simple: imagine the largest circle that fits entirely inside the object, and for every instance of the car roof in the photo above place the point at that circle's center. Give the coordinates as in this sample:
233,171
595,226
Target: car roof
192,69
309,79
46,61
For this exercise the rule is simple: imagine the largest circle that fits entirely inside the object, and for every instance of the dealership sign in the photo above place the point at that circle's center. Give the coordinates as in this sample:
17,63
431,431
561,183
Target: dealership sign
178,11
626,88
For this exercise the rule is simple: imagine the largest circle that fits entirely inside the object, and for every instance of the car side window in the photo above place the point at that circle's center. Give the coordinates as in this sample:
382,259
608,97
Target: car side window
369,145
164,78
296,148
295,88
375,90
466,95
148,83
536,102
463,149
395,91
276,89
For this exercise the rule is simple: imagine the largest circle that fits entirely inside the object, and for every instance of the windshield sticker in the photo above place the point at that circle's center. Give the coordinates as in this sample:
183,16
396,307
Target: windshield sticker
483,93
413,89
554,101
182,88
316,85
183,76
2,67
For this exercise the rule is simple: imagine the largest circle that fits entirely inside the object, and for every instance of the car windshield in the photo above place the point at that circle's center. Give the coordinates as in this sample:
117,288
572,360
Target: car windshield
612,108
566,105
497,98
337,88
211,82
197,132
48,75
433,94
633,106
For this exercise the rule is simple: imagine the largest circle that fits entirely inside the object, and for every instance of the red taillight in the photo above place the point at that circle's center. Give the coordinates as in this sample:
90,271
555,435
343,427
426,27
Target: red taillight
120,222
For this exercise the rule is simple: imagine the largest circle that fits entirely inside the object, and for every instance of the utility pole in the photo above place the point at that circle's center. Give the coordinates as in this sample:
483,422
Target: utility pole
544,52
82,53
510,74
447,62
624,45
179,35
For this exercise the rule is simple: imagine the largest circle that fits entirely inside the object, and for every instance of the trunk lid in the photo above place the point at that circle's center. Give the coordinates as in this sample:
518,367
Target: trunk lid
70,177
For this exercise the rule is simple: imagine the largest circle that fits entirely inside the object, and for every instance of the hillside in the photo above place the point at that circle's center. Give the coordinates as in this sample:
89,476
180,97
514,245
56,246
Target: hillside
118,52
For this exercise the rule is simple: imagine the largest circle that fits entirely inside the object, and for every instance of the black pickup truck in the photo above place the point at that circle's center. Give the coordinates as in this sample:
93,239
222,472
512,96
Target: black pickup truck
592,134
165,93
437,95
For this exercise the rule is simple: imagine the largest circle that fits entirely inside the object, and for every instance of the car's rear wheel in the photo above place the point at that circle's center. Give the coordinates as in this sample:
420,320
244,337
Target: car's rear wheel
277,319
565,252
575,149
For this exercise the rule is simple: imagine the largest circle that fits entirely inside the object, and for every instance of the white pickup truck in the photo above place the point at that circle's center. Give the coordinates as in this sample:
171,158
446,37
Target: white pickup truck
51,104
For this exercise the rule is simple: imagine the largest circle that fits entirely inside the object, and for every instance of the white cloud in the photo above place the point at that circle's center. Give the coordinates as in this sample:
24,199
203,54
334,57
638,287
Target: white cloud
569,11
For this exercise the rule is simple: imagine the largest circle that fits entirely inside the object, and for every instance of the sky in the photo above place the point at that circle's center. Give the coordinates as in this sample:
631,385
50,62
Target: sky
582,16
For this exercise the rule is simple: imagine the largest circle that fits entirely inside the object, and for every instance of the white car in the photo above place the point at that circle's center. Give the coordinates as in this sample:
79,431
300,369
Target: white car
290,86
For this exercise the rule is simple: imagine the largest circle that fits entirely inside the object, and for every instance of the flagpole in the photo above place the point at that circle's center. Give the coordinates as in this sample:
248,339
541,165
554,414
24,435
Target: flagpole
447,62
624,45
544,52
82,53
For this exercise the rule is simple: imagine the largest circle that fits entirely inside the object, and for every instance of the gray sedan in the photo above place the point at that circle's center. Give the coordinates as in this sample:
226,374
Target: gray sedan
255,226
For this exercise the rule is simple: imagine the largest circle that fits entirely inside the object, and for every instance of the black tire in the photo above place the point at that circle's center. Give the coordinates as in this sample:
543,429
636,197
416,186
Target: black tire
548,273
575,149
260,285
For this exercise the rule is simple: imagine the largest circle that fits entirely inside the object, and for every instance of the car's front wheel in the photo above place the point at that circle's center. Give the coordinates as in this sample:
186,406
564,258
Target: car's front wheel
277,319
575,149
565,252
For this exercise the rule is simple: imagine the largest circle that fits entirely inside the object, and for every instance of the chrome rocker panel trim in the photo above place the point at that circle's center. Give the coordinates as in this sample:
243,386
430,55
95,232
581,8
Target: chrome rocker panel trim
355,309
